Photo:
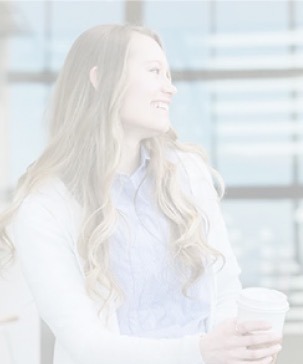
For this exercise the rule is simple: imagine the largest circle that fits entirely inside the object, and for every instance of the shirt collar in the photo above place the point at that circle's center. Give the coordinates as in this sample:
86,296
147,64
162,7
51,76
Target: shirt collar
137,176
145,155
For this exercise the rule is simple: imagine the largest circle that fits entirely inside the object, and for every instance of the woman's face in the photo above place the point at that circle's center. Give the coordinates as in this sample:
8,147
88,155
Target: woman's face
145,108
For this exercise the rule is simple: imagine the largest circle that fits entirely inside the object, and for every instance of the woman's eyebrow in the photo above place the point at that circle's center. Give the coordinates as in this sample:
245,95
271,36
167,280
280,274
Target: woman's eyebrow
153,61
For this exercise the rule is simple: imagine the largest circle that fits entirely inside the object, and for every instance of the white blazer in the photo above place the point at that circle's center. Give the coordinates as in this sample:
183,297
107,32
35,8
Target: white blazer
45,231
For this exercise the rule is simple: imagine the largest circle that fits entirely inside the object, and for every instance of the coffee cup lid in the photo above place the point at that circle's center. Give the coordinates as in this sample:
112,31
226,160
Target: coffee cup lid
263,299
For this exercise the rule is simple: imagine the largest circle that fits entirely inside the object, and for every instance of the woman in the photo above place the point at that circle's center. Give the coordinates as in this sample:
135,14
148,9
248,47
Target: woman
117,224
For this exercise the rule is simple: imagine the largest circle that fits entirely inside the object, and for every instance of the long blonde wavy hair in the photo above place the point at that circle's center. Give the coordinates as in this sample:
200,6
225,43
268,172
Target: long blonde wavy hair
85,132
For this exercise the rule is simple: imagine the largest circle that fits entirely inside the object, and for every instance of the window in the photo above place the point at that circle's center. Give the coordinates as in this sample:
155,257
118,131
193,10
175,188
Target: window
239,74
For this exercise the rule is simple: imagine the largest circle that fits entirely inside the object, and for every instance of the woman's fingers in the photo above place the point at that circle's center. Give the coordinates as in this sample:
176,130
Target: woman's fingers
255,342
267,339
246,327
268,360
260,353
248,342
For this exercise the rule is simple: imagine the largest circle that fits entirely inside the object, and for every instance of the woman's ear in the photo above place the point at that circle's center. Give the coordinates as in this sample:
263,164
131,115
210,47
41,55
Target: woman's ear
93,76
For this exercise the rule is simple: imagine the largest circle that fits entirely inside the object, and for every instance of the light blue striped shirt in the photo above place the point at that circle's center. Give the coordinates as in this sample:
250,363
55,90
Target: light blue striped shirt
154,305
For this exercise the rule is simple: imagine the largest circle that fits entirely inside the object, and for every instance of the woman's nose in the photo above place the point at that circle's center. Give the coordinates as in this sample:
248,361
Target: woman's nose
174,88
169,87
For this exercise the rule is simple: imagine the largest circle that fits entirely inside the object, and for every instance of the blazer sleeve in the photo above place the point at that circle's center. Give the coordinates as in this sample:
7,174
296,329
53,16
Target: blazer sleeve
227,284
40,232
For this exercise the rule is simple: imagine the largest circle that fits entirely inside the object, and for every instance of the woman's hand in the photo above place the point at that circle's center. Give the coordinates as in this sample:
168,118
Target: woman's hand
231,343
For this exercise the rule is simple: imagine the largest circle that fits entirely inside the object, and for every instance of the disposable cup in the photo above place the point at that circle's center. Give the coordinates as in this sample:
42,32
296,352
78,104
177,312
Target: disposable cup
258,303
263,304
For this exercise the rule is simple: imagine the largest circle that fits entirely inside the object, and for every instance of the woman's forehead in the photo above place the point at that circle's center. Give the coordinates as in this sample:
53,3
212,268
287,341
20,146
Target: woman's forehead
144,48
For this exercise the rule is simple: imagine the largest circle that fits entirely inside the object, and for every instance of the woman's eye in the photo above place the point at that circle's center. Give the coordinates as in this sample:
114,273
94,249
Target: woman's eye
155,70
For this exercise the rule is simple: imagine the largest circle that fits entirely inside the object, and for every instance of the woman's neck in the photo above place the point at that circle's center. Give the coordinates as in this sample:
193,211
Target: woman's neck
130,158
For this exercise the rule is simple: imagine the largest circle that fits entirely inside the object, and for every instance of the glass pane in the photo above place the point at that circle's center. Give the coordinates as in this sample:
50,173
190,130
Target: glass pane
299,142
85,14
251,38
190,113
256,130
27,128
248,127
179,32
27,49
262,234
299,221
250,15
298,13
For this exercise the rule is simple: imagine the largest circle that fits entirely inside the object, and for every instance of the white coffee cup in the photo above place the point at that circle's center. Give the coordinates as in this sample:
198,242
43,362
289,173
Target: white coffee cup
263,304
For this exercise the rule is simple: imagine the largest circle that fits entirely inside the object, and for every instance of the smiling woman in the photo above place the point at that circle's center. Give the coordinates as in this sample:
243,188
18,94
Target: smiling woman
117,225
145,108
149,91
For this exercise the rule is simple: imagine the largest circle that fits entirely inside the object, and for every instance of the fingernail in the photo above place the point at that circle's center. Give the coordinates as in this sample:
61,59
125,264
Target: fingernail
277,348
